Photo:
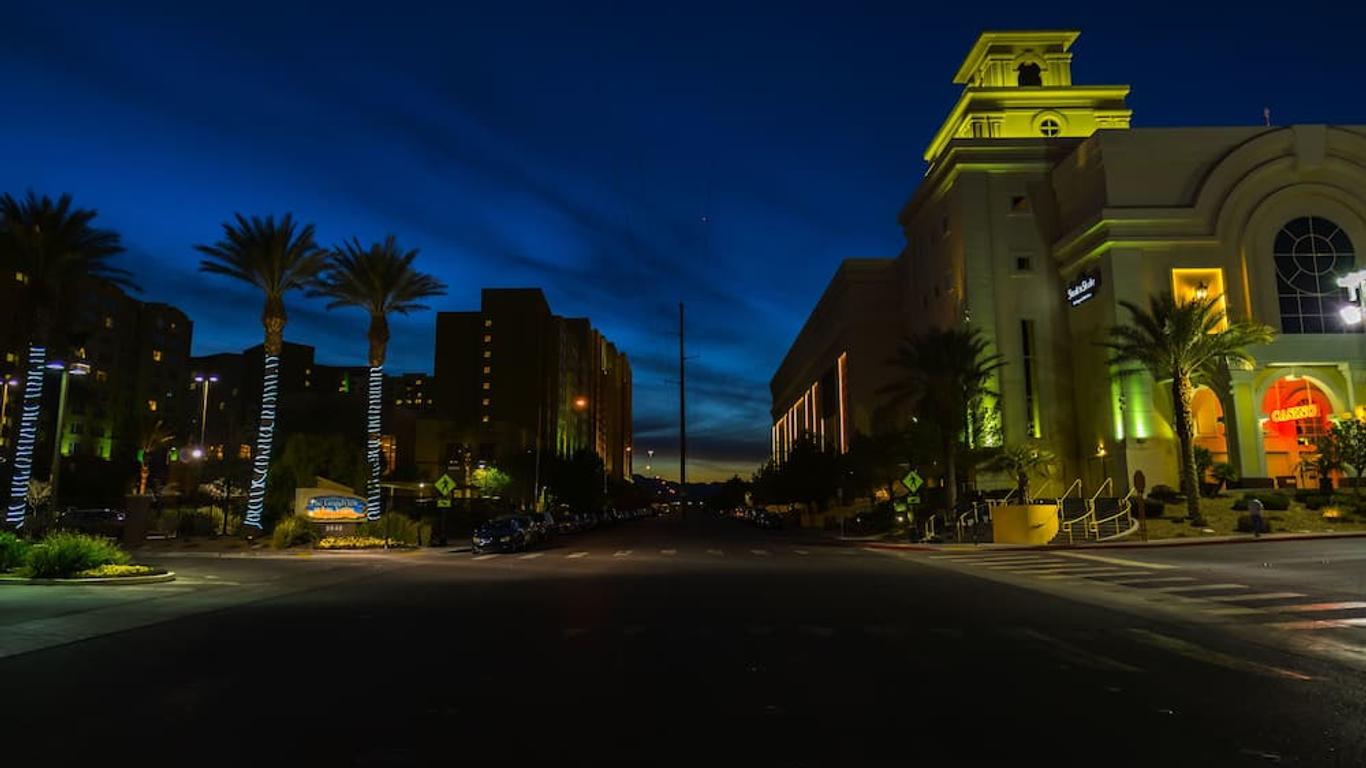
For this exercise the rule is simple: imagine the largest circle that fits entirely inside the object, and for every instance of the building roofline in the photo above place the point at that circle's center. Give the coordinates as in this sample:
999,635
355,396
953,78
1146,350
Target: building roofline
1018,36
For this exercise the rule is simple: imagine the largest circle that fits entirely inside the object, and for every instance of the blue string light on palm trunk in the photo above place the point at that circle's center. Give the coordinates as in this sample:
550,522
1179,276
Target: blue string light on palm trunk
372,426
265,436
28,436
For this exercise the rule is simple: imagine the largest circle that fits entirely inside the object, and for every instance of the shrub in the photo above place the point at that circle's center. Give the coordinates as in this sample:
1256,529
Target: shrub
13,551
63,555
291,531
1314,501
1272,501
110,570
397,527
350,542
1165,494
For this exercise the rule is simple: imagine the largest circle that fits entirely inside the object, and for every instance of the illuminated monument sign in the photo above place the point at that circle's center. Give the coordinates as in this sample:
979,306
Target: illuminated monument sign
1084,288
334,508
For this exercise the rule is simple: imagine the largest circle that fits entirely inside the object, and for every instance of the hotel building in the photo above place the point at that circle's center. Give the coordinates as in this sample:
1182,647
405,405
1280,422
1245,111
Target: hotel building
1041,210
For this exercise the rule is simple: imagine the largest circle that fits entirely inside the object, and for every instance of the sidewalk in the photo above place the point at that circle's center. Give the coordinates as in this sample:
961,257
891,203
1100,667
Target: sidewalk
875,542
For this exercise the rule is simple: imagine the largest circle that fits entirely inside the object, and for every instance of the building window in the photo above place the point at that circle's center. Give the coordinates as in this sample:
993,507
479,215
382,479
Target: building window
488,323
488,369
488,337
152,405
244,451
488,353
156,355
1029,353
10,357
484,418
1020,204
1310,254
101,376
21,277
487,386
108,322
1023,263
1049,127
1029,75
487,401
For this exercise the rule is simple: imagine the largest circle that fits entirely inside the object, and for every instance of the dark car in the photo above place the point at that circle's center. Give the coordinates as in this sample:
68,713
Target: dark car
766,519
501,534
98,522
568,522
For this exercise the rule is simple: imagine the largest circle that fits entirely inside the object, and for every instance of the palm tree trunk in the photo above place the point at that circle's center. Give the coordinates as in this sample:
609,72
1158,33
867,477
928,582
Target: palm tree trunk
143,471
265,436
1182,392
28,433
950,476
373,408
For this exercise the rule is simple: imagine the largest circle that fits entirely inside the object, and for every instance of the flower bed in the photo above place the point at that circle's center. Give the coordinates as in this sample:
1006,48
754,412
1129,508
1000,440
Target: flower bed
115,571
358,542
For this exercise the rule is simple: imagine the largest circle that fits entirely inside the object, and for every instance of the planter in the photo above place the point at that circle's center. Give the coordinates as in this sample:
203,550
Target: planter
1024,523
150,578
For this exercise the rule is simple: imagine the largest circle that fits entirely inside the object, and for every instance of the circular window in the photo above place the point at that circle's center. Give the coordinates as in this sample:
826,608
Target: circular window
1310,254
1049,127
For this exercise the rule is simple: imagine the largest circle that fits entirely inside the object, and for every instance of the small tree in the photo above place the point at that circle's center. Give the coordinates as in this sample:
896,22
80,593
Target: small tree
1022,462
1223,473
1349,438
491,481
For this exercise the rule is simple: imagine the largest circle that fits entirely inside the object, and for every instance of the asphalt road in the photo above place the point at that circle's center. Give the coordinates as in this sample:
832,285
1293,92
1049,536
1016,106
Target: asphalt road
661,642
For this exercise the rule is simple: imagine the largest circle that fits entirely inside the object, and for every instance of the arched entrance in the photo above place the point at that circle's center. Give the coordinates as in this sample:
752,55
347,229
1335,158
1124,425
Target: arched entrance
1208,414
1295,411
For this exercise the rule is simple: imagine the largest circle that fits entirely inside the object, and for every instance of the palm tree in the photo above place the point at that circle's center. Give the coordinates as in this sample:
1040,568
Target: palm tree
945,374
152,437
1023,461
381,280
276,258
54,245
1184,343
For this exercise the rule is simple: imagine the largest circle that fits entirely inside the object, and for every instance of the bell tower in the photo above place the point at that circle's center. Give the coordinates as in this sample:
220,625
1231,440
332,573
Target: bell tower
1018,85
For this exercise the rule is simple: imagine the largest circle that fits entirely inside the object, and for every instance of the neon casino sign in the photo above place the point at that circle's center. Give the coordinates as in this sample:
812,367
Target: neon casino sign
335,508
1295,413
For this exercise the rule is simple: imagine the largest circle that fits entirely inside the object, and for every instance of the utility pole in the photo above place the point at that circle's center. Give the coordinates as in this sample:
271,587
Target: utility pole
682,416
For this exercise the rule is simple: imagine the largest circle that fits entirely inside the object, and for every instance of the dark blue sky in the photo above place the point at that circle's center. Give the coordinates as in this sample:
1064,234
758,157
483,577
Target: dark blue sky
578,148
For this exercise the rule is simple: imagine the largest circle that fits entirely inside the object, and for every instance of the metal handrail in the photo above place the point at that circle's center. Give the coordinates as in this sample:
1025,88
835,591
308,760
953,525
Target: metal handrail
1125,510
1038,495
930,526
1107,484
1075,484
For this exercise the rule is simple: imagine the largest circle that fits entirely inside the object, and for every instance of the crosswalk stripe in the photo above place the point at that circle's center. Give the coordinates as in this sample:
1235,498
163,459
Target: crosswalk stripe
621,553
716,552
531,556
1160,580
668,552
801,551
763,552
1118,561
1320,607
1041,567
576,555
484,557
1008,560
1201,588
1255,596
1105,572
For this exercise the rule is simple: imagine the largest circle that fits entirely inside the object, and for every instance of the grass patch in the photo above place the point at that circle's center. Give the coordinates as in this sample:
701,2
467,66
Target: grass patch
1222,518
112,570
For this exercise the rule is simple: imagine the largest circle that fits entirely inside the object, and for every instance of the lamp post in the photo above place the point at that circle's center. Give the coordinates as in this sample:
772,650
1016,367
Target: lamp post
204,383
10,381
1355,283
74,369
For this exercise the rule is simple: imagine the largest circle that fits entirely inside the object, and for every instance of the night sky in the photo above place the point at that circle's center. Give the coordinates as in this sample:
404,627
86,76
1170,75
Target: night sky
623,157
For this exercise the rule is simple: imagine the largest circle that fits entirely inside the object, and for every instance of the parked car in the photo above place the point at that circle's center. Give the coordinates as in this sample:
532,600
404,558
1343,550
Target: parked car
98,522
501,534
548,525
534,525
766,519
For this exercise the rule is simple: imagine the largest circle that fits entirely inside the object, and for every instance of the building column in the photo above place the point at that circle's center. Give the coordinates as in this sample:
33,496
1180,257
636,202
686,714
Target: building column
1245,420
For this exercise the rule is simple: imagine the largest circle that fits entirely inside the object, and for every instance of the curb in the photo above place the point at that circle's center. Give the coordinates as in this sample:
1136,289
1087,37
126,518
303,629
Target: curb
1155,544
151,578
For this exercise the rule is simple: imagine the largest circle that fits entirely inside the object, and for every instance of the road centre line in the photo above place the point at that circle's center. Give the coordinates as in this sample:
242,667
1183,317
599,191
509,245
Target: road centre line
484,557
575,555
531,556
1198,653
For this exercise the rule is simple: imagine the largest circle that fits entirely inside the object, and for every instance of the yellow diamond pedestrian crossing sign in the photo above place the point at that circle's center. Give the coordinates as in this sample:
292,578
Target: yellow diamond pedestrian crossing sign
913,481
444,485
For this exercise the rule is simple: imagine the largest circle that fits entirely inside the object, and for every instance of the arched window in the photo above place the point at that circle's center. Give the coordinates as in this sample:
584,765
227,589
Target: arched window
1029,74
1310,254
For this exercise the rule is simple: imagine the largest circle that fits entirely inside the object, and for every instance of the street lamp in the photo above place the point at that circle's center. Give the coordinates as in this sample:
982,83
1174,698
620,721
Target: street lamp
204,383
1355,283
74,369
